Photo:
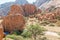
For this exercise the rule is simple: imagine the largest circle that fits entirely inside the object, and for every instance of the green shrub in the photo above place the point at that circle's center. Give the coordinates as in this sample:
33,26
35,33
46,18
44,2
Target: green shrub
10,36
44,23
17,32
15,37
33,31
51,24
26,33
58,17
18,38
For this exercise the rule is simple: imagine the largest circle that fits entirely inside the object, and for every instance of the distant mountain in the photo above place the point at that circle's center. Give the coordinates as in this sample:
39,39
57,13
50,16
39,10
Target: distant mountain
21,2
4,8
6,4
50,4
40,2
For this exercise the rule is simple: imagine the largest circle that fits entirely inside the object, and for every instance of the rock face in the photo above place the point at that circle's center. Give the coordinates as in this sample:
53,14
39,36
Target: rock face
26,10
1,32
49,4
13,22
38,3
16,9
29,9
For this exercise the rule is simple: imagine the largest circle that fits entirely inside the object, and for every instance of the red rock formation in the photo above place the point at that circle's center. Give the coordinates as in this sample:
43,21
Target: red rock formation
13,22
29,9
16,9
1,32
47,16
26,10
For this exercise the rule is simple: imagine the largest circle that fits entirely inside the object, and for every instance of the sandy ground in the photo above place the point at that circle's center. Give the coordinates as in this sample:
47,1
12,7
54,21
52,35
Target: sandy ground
49,37
52,30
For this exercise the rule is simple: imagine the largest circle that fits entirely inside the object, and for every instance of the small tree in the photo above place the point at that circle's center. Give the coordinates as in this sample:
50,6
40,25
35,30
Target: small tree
33,30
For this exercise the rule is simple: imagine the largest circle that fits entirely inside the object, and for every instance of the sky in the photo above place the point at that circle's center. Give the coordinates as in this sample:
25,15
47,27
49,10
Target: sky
31,1
4,1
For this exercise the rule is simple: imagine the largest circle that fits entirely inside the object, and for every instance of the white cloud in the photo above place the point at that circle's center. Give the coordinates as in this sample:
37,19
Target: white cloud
4,1
31,1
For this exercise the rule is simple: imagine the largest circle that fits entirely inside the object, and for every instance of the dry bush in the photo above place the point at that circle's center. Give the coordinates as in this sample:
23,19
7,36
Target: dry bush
13,22
58,23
